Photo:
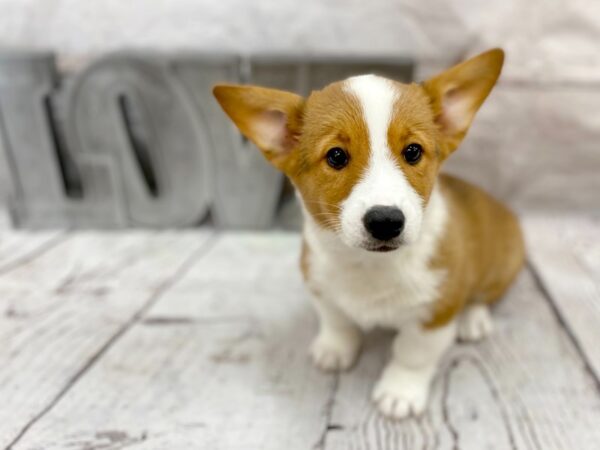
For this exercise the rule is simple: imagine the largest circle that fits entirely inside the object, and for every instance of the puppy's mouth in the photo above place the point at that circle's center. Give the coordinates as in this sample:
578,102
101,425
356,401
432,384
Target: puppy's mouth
382,247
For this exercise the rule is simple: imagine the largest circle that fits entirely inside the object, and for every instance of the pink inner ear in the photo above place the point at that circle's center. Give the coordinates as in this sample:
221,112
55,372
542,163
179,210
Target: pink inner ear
456,111
270,127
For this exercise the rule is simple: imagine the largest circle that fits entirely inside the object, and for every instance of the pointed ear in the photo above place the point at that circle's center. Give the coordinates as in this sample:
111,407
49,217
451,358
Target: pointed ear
268,117
457,93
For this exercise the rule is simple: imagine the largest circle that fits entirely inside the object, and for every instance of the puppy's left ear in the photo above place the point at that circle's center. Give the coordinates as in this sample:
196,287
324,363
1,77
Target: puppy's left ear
457,94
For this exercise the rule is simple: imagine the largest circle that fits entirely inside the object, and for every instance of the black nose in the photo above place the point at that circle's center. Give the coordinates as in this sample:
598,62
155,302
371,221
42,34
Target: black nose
384,222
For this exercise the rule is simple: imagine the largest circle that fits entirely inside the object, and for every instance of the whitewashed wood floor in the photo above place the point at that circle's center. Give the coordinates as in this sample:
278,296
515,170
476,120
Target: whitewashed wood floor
196,340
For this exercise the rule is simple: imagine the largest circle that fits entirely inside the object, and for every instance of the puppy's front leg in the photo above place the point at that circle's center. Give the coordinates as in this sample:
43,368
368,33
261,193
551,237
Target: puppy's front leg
338,343
404,386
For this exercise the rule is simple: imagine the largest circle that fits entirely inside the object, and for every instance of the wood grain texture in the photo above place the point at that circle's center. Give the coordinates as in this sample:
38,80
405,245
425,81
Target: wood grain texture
183,341
523,388
62,309
18,248
566,257
218,363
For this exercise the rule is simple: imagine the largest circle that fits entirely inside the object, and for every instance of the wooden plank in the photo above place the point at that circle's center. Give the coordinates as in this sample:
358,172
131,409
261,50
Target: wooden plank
19,248
94,260
524,388
565,253
65,308
219,363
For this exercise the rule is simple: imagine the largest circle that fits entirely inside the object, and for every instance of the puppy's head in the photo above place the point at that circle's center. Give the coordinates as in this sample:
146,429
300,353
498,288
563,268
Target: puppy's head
364,153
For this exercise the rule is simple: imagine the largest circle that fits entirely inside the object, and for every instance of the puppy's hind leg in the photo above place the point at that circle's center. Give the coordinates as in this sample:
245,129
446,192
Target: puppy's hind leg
475,323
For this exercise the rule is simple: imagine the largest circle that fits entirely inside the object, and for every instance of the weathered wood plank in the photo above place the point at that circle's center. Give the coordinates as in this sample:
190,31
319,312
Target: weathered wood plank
19,248
566,256
219,363
61,311
524,388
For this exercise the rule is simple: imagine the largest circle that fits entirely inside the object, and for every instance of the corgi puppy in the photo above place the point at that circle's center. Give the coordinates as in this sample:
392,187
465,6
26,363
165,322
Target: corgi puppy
388,241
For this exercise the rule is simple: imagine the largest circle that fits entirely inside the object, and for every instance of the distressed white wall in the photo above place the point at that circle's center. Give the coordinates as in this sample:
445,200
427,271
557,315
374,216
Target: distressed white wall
537,140
549,40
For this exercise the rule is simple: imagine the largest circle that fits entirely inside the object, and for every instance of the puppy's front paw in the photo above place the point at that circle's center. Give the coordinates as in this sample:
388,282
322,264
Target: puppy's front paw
332,352
402,392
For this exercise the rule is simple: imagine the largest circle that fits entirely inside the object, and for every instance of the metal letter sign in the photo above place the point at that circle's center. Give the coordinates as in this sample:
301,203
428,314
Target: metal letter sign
138,140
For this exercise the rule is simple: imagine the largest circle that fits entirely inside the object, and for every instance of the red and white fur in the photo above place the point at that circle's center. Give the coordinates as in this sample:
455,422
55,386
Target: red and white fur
458,249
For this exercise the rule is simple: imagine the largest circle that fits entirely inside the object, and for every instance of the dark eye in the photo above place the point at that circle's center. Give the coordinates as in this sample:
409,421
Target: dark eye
412,153
337,158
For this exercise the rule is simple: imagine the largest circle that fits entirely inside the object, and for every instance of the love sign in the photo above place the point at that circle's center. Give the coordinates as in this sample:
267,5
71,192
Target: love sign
136,139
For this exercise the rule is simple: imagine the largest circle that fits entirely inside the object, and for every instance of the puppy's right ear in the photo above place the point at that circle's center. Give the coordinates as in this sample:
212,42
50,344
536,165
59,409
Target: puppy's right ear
268,117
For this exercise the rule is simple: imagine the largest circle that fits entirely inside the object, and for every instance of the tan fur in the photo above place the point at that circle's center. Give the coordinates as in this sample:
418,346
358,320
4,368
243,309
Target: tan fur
322,187
482,250
255,109
482,247
414,124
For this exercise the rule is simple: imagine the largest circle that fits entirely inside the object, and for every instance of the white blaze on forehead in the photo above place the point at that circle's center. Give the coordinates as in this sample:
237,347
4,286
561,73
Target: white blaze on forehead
377,97
382,181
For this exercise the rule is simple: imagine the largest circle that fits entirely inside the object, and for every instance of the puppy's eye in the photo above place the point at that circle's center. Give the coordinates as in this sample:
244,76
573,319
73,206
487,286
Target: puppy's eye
337,158
412,153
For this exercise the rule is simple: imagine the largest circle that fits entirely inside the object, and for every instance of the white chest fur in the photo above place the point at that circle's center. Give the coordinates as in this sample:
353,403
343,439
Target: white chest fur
374,289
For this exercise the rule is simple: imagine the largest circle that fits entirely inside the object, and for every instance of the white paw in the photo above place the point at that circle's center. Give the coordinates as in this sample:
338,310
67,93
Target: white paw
402,392
475,323
336,352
